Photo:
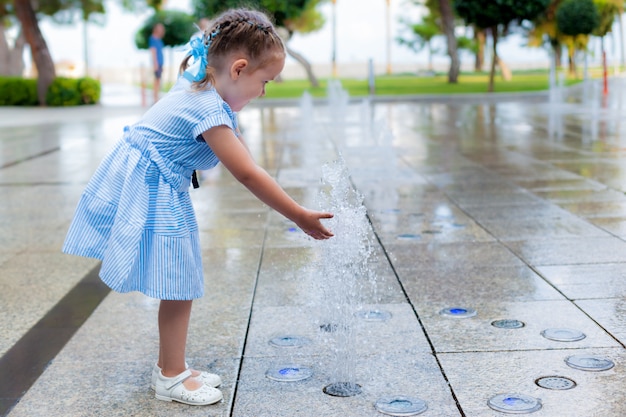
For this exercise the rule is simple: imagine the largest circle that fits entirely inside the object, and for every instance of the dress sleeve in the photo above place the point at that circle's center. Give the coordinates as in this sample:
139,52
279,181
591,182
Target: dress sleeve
222,115
215,119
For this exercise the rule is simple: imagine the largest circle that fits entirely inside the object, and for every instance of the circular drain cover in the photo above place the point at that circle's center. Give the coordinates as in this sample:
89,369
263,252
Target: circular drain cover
555,382
563,335
508,324
289,341
289,373
459,312
333,327
342,389
400,406
408,236
589,363
514,403
374,315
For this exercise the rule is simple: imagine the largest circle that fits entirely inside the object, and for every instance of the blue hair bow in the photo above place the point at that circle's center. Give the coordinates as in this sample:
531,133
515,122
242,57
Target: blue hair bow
198,51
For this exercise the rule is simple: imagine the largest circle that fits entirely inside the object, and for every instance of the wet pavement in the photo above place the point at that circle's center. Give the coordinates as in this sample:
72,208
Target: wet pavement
511,206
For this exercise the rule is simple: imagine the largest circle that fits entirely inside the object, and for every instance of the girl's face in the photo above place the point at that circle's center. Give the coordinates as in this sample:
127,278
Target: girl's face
244,84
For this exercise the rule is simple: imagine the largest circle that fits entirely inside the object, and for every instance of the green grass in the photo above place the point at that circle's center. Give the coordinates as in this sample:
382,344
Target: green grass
535,80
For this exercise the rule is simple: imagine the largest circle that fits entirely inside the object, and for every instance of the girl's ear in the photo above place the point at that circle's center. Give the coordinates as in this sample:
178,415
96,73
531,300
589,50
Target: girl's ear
237,67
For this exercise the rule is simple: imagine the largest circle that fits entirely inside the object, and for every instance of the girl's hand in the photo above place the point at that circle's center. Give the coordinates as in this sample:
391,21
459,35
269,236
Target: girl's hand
310,224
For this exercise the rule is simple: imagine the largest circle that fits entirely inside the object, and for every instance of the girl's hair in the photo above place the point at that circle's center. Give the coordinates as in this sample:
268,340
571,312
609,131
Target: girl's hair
245,31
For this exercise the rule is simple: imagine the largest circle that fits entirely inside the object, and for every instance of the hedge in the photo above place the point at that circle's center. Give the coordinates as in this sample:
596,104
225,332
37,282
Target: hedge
16,91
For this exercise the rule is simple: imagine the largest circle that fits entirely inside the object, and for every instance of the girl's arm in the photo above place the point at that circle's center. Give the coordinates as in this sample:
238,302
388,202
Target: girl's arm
233,153
241,139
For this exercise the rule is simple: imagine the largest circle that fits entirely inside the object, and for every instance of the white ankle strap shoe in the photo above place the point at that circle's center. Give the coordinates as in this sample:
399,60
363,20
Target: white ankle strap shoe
172,389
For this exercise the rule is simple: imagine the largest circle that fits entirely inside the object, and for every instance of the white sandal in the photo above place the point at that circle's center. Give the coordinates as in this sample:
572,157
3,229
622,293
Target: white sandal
207,378
172,389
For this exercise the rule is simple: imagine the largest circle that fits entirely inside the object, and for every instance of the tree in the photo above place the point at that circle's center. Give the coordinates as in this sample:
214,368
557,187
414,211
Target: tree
497,15
422,36
179,27
577,19
38,47
545,26
480,39
23,11
442,14
607,10
290,15
447,22
11,61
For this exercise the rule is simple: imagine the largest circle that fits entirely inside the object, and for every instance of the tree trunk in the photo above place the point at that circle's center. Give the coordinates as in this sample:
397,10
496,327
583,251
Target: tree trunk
447,20
505,71
430,56
557,48
286,34
16,55
11,60
620,19
307,66
38,47
5,50
572,61
480,38
494,59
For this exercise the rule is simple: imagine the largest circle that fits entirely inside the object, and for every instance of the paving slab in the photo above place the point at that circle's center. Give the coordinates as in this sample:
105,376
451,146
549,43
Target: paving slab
511,205
516,372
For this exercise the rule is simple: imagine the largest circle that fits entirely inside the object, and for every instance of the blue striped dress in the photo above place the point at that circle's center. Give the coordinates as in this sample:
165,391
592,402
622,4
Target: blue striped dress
135,213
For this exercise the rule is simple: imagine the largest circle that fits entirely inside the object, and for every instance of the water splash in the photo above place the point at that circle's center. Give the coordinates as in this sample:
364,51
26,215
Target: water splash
343,266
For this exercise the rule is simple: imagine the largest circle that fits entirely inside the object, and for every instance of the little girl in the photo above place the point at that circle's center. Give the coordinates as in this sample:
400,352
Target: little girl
136,214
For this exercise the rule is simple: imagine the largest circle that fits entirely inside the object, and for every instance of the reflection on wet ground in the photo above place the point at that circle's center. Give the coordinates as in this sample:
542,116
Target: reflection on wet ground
513,207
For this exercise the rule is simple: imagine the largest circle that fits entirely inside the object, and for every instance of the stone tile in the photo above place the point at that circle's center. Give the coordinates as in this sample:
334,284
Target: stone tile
43,235
379,375
401,333
466,254
614,225
99,388
512,212
493,168
123,327
432,221
607,172
30,285
541,228
591,209
231,238
577,185
588,250
587,281
478,283
572,197
290,276
608,313
515,372
487,196
472,177
288,236
526,172
452,334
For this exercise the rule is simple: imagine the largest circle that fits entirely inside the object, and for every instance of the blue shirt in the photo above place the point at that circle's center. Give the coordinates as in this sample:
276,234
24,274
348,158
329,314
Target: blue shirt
158,45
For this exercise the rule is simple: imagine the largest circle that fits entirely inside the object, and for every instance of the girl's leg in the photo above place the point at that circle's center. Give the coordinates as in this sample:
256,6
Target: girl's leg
173,325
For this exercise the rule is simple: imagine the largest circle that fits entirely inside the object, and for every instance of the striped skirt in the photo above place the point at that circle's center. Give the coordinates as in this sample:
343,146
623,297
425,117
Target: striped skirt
136,216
